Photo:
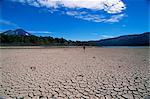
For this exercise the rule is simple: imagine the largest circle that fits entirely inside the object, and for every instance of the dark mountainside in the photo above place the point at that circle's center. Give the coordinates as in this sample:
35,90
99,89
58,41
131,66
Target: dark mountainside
127,40
21,37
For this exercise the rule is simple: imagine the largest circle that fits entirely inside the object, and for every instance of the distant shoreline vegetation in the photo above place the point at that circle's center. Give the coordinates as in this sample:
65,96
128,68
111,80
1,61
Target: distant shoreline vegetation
19,37
7,40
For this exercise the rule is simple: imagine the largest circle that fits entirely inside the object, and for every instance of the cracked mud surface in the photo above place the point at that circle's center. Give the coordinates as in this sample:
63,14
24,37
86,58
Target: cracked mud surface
69,73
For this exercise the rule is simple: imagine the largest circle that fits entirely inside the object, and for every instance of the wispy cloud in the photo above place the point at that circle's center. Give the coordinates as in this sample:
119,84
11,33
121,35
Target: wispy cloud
106,36
95,17
40,32
101,36
82,9
6,22
85,16
90,17
96,34
76,13
115,18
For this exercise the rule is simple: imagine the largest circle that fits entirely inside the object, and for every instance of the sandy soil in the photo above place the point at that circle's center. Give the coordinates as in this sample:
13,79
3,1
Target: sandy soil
69,73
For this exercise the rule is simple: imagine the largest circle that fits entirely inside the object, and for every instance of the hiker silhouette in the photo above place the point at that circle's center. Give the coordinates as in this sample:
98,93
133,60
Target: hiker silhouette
84,48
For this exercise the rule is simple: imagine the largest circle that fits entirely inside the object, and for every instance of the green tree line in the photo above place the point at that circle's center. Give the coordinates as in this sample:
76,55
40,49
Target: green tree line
35,40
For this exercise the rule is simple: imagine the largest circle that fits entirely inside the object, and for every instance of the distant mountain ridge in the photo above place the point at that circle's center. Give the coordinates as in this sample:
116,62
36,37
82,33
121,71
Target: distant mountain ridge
18,32
126,40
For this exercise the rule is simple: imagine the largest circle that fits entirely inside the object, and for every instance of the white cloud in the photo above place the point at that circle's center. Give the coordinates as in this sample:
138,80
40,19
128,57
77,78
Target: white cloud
78,8
90,17
95,17
115,18
40,32
103,36
110,6
86,16
76,13
114,6
106,36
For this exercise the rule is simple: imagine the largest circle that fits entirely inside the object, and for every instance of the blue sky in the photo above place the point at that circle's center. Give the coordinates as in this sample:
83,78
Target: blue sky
76,19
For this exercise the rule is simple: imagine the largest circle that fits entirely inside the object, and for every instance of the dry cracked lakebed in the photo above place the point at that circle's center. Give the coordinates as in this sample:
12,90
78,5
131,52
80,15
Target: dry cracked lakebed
69,73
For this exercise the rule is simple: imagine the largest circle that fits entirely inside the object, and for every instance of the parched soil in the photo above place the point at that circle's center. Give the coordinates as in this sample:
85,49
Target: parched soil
71,73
